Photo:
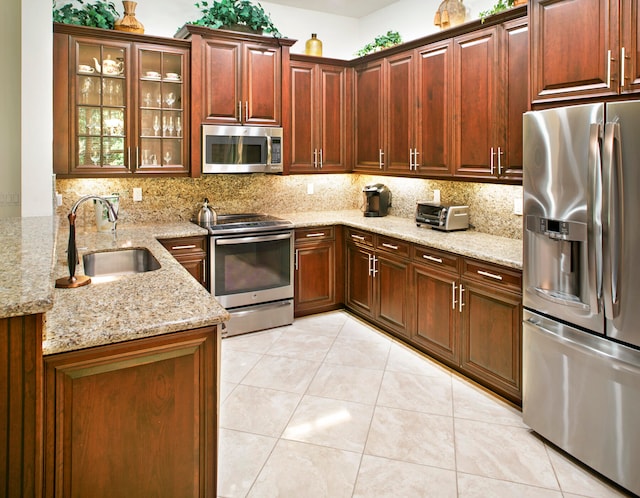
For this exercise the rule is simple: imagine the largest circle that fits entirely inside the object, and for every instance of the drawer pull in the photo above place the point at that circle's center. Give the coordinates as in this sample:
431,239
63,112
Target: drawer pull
389,246
177,248
357,237
490,275
454,288
432,258
319,234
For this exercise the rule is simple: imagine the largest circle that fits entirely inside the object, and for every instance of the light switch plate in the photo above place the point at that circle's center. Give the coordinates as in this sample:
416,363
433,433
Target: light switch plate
137,194
517,206
309,188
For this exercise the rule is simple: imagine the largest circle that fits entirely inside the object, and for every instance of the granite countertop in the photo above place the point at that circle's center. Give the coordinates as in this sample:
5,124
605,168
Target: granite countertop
482,246
131,307
27,246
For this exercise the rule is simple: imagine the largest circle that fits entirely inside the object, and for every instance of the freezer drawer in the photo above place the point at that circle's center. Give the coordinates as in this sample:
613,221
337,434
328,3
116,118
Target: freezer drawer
582,393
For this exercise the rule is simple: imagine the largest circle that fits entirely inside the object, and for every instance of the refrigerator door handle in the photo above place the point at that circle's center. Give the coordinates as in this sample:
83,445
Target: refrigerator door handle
612,217
594,224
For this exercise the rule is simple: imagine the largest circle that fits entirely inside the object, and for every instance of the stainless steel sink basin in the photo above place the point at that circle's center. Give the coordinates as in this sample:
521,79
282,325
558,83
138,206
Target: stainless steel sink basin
120,262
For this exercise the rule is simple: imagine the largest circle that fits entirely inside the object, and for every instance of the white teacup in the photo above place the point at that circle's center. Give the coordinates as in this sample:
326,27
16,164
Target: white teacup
152,74
173,76
84,68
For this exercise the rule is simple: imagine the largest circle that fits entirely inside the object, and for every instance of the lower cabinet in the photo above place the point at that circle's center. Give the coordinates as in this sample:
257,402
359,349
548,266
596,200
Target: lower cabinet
191,252
318,269
133,419
378,279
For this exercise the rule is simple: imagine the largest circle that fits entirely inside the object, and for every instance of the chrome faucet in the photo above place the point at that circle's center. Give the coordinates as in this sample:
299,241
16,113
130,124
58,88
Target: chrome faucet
72,250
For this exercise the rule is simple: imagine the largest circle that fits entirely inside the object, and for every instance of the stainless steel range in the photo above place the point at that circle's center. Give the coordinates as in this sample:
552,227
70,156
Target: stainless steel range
251,266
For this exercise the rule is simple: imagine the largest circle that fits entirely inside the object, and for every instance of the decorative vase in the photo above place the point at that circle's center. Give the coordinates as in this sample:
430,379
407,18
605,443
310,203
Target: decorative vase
129,22
450,13
519,2
313,46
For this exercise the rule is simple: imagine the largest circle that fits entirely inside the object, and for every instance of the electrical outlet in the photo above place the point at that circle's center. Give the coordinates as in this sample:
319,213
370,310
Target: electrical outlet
517,206
310,188
436,195
58,199
137,194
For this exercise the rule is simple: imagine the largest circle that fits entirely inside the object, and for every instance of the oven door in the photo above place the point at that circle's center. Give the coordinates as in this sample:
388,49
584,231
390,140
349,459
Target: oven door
250,269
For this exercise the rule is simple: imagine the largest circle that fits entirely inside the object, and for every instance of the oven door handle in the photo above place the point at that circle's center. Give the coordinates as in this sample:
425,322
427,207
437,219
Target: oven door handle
251,239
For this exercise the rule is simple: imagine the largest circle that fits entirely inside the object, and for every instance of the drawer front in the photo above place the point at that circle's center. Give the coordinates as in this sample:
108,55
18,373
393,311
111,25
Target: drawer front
185,245
314,233
393,246
437,259
493,274
359,237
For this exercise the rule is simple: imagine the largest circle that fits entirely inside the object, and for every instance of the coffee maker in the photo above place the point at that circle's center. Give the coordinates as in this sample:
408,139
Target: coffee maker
377,200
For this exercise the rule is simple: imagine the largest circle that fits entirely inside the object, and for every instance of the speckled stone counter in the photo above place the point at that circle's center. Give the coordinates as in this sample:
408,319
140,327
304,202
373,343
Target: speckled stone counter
491,248
26,261
131,307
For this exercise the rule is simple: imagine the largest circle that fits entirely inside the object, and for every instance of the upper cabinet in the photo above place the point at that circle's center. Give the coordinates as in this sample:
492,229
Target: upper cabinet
121,104
448,109
583,48
320,130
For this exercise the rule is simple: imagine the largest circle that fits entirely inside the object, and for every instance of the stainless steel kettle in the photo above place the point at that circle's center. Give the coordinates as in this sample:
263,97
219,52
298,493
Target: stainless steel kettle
206,216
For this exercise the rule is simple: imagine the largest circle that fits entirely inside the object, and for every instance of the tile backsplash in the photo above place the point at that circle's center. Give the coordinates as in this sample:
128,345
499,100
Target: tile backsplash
171,199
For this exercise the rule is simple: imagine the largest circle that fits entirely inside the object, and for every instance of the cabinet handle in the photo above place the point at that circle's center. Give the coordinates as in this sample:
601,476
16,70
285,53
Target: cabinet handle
240,110
390,246
315,158
374,262
321,160
246,111
317,234
432,258
609,68
410,159
129,156
623,77
370,259
357,237
415,159
204,271
454,301
295,263
500,152
177,248
137,157
460,302
491,160
380,156
490,275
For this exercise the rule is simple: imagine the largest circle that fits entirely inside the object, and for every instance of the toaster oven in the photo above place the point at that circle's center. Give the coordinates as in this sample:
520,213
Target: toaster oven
442,216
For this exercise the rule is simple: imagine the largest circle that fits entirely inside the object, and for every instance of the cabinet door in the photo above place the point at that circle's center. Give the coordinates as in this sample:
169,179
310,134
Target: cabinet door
435,109
630,29
400,113
304,108
359,286
261,87
369,118
334,127
100,131
222,85
491,337
162,105
435,311
516,102
315,277
133,419
574,49
190,252
476,71
393,285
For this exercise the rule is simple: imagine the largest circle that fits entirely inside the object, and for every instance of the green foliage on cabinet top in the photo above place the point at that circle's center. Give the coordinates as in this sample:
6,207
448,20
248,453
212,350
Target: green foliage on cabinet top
227,13
97,15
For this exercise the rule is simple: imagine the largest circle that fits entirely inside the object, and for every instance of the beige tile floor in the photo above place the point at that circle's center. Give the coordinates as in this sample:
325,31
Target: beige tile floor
331,407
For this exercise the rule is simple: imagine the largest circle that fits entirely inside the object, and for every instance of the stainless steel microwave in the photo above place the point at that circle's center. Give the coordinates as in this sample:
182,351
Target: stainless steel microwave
241,149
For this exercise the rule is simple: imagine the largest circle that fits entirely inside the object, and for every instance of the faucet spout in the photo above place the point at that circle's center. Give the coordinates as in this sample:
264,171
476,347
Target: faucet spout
72,251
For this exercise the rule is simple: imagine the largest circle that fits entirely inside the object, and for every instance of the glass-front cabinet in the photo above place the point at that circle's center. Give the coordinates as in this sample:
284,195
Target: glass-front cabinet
126,108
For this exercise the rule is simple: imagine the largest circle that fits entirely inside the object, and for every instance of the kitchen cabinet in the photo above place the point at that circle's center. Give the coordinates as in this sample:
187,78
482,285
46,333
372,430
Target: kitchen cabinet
321,126
369,117
381,291
21,406
121,104
318,268
490,98
159,393
190,252
583,49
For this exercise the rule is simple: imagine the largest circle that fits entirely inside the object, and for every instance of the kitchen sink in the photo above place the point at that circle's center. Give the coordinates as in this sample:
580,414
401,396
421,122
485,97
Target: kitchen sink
119,262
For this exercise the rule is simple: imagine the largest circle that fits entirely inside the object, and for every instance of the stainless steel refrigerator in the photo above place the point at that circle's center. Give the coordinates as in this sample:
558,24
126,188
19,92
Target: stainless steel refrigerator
581,291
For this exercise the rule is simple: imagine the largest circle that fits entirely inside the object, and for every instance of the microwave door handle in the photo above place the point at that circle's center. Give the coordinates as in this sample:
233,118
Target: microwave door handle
268,149
594,224
249,240
613,199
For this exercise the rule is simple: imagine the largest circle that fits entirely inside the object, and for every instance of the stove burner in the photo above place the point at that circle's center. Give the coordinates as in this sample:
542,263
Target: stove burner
247,222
